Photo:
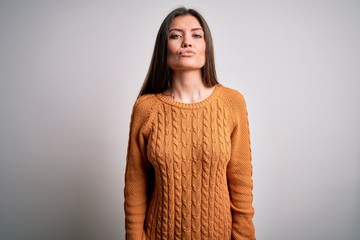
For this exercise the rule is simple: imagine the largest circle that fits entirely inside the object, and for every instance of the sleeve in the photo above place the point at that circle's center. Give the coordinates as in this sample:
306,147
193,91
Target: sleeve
136,173
239,174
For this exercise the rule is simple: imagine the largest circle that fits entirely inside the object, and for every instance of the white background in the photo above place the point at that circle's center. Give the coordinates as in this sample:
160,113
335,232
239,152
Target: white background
70,72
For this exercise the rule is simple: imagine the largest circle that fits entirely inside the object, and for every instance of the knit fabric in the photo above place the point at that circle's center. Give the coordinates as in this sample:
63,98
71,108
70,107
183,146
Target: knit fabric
188,172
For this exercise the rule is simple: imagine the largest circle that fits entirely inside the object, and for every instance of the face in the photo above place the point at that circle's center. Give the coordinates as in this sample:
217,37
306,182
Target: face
186,44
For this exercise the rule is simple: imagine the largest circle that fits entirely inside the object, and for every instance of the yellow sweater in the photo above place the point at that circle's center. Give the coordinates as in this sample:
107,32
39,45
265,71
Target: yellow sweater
188,172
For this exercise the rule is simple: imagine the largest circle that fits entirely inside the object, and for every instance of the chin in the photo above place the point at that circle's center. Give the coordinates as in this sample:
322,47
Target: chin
186,68
184,64
183,67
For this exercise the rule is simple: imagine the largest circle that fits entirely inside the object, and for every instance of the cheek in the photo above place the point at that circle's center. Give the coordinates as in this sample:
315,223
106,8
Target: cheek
172,48
204,51
171,52
170,55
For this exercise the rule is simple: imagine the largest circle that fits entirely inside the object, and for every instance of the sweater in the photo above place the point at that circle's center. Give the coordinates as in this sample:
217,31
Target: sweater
188,169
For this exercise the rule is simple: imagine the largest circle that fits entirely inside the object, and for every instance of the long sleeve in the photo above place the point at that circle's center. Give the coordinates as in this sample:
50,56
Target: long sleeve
239,174
136,173
188,171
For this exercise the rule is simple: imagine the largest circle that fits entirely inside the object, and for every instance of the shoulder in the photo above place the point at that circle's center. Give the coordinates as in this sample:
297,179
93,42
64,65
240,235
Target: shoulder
145,103
232,98
143,107
234,101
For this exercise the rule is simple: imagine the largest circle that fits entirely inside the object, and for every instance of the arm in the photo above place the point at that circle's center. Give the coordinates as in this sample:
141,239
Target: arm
239,174
137,166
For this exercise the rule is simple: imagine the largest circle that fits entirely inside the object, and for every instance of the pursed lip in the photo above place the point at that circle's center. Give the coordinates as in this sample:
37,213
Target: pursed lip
186,53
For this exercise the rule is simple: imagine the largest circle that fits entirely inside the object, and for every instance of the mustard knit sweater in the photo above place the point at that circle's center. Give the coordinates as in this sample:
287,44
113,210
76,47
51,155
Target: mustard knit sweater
188,171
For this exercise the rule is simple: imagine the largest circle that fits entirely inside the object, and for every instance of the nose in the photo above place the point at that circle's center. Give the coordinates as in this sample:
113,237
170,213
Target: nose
186,42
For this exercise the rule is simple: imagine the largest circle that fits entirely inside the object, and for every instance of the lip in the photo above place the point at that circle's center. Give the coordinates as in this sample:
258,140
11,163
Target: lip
186,53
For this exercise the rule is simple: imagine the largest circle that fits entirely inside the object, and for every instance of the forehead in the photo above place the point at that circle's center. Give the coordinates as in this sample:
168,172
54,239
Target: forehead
184,22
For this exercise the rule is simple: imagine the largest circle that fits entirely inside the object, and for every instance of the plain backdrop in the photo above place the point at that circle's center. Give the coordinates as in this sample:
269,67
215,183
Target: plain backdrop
70,72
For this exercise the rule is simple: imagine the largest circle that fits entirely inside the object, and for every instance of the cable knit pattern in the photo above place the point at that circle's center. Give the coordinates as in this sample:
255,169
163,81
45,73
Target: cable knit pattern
188,171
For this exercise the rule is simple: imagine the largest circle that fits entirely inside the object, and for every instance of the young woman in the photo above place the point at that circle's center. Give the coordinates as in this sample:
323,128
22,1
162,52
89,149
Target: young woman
188,170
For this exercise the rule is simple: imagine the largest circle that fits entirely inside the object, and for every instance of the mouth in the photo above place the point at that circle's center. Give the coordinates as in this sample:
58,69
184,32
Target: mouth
186,53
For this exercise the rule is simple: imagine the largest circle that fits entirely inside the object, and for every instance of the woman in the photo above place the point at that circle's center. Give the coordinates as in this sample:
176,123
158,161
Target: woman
188,171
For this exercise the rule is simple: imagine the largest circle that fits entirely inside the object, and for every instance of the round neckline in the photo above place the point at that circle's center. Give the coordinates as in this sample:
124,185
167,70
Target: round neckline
199,104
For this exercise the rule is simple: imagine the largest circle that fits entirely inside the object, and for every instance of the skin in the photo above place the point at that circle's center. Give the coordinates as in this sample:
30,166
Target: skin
186,44
186,57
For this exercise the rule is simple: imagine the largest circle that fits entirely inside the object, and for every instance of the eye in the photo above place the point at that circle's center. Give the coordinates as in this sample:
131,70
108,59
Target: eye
175,36
197,36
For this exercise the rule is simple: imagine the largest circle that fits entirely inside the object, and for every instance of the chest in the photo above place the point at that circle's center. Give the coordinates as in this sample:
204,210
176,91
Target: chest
195,136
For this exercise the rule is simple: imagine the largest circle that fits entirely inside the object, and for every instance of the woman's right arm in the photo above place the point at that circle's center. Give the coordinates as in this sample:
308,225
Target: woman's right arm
137,168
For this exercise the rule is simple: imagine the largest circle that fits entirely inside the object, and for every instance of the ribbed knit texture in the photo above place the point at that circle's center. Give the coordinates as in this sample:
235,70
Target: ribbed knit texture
188,172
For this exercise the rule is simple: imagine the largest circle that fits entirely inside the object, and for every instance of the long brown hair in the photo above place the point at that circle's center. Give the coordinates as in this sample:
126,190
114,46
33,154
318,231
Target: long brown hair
158,78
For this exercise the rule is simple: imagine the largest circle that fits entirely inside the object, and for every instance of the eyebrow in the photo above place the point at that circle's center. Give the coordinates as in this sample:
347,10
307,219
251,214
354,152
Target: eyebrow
180,30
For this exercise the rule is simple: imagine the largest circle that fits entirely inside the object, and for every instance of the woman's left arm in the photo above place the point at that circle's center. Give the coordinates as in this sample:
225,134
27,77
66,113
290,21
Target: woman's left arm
239,174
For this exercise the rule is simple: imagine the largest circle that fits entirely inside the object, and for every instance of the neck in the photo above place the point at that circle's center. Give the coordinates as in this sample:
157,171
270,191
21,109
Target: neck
188,87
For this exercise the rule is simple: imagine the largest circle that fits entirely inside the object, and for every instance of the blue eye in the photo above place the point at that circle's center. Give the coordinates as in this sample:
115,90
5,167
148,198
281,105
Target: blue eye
197,36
